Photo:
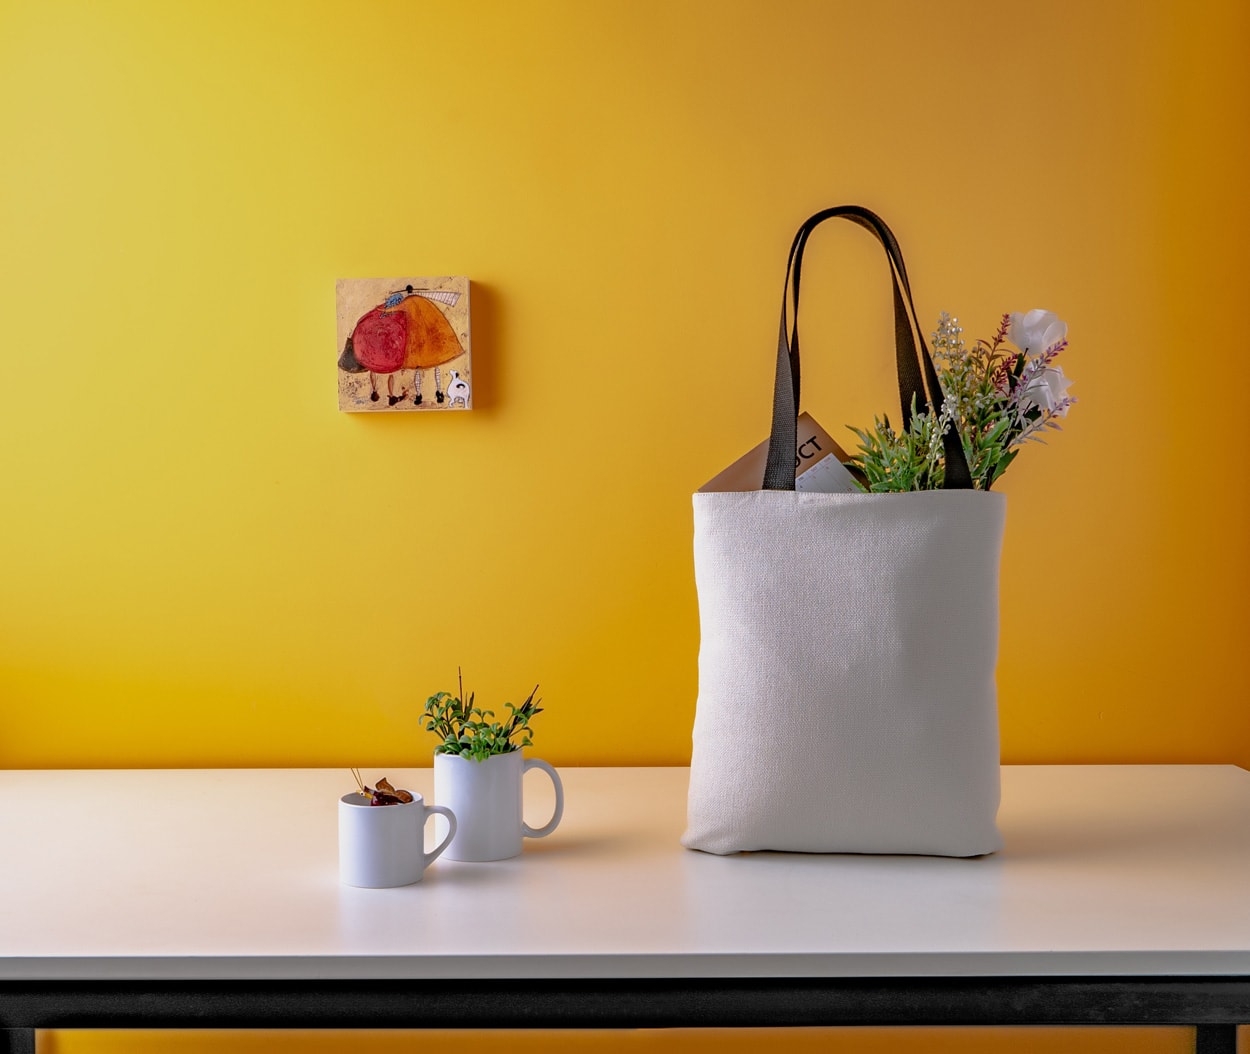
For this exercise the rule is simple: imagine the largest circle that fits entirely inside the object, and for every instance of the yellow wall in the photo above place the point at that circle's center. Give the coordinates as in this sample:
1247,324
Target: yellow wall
205,563
675,1041
202,562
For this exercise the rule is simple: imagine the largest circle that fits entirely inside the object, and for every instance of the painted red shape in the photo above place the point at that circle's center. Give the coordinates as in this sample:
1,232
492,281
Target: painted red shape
380,340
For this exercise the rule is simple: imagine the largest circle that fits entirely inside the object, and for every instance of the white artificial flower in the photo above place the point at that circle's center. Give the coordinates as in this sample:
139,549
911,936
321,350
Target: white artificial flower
1035,331
1046,391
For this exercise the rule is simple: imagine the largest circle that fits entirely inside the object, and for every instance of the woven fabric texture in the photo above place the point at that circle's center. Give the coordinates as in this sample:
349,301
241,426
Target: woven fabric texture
846,673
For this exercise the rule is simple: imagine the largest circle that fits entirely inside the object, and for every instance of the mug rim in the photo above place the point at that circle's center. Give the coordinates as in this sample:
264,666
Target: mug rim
476,761
364,803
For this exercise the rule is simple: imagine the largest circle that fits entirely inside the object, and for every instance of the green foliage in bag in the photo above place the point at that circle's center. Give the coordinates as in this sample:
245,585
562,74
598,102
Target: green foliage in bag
1000,396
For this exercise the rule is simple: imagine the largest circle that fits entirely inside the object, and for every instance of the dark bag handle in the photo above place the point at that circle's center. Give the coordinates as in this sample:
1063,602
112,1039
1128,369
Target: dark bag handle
914,364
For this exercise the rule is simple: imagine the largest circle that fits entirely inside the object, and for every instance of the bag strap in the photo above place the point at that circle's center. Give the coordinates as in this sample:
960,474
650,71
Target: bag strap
912,360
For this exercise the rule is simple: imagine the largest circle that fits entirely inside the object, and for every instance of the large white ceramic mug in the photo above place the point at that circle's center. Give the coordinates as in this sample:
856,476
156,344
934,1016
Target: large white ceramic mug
384,845
487,798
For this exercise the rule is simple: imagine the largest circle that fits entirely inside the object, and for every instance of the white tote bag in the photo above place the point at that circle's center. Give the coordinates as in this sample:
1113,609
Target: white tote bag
848,644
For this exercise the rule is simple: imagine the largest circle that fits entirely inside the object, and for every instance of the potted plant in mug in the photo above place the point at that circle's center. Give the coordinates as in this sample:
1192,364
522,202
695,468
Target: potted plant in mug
478,771
381,835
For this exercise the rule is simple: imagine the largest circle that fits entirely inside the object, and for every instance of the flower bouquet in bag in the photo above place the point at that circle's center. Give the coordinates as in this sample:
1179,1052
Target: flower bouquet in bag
998,394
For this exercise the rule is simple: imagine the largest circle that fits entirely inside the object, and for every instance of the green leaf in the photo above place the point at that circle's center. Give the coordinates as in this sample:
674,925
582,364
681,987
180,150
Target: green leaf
997,432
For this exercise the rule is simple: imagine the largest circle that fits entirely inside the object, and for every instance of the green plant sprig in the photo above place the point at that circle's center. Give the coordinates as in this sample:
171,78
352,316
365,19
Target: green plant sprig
900,461
471,732
984,388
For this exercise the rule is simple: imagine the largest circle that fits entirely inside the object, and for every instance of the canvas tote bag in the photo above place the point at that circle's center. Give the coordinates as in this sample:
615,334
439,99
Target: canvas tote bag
848,641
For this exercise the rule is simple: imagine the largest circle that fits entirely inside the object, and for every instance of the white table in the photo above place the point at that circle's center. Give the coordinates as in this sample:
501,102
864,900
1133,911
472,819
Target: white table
184,898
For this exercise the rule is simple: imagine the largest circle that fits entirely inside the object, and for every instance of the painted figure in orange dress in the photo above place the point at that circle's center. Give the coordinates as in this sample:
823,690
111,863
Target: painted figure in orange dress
407,332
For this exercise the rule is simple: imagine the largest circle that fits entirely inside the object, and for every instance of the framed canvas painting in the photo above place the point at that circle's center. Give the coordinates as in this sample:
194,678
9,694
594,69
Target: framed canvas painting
404,344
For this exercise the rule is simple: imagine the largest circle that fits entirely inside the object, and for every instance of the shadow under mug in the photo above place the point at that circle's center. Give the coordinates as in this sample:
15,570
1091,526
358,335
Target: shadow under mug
487,798
384,845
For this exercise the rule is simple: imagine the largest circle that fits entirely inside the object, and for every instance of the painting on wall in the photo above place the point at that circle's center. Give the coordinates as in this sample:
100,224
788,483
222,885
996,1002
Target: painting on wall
403,344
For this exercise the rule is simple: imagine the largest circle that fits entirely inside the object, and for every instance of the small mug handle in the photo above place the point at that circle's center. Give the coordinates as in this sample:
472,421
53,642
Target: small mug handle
442,810
554,822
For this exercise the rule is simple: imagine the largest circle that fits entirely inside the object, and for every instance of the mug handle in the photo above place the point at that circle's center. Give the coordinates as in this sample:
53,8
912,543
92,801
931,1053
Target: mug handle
442,810
554,822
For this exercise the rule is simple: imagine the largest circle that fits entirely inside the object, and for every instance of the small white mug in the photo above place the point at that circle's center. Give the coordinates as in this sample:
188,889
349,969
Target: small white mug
486,797
384,845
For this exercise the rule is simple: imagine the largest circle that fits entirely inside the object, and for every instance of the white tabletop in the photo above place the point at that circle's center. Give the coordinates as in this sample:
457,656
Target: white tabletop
222,874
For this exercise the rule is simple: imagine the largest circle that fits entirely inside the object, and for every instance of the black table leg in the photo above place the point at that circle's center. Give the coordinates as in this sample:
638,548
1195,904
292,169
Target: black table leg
17,1041
1216,1039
